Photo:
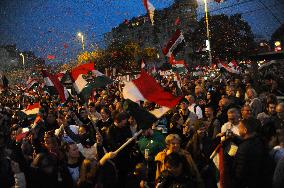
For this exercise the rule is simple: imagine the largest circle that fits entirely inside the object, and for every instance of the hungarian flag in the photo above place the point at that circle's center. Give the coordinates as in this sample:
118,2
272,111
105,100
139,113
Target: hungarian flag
145,88
142,116
81,85
55,86
50,57
174,42
232,67
177,65
218,159
60,75
32,109
31,83
177,21
150,9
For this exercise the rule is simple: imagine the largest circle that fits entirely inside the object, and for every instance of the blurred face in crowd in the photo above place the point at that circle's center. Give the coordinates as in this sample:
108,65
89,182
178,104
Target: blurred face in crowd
82,130
122,123
185,129
51,143
208,96
50,119
73,151
198,90
174,170
246,112
208,112
280,110
118,107
83,114
174,145
131,120
250,94
230,91
271,109
201,132
232,115
92,109
104,114
149,132
223,102
190,99
183,105
242,129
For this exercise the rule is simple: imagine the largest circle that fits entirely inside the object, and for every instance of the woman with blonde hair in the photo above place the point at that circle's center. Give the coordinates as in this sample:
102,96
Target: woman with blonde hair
173,146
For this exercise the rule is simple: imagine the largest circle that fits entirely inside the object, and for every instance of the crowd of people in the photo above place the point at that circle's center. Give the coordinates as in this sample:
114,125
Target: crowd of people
74,144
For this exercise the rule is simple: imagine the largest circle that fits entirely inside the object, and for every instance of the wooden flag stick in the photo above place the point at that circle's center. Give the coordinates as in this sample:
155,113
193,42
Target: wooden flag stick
128,141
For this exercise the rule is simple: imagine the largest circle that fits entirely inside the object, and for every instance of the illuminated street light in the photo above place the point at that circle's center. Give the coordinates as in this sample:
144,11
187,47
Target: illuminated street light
207,32
80,35
23,57
277,46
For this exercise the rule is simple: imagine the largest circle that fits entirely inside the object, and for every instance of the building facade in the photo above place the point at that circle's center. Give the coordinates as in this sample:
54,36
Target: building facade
181,15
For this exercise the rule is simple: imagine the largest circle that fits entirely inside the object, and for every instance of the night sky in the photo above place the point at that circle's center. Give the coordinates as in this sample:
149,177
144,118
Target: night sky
47,26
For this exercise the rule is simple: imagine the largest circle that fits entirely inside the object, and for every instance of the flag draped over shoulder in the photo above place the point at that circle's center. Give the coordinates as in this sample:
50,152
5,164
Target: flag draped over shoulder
145,88
174,42
150,9
54,85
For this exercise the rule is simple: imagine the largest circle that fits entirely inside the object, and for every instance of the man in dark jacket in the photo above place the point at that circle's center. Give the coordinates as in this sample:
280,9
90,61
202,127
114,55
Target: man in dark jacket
251,168
117,134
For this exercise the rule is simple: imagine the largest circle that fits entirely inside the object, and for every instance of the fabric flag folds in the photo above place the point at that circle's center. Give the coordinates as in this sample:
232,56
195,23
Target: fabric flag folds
177,65
150,9
143,118
145,88
31,83
77,76
218,159
232,67
32,109
174,42
54,85
81,85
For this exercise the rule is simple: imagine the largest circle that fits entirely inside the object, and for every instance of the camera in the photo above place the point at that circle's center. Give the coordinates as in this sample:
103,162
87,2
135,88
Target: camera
229,133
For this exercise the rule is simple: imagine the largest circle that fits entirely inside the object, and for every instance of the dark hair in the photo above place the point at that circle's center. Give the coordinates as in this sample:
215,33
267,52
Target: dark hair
175,117
209,106
174,159
43,160
66,146
250,124
106,110
119,116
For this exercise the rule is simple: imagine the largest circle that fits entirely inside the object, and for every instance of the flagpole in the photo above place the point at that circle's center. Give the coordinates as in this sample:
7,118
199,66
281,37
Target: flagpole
128,141
207,31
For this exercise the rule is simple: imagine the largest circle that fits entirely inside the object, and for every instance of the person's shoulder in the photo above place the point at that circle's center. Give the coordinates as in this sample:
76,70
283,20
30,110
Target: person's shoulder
161,155
252,143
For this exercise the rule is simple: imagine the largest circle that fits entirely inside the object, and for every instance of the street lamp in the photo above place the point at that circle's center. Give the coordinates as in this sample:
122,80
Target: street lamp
80,35
21,54
207,32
